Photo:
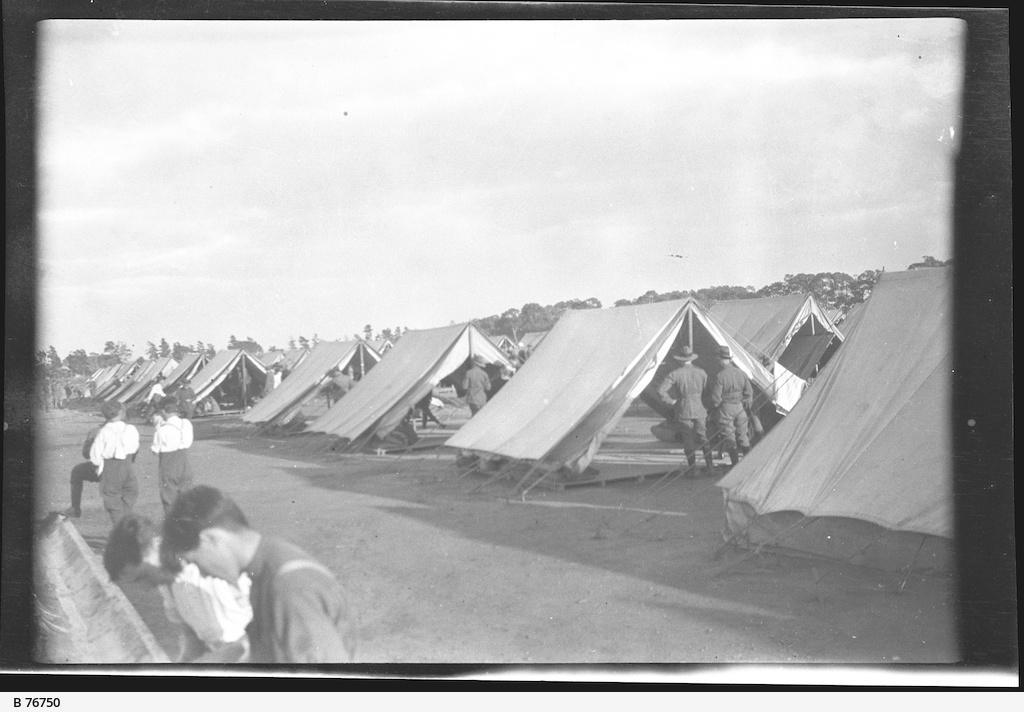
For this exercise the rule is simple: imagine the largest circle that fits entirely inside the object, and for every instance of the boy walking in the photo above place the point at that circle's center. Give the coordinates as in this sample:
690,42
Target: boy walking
111,457
172,439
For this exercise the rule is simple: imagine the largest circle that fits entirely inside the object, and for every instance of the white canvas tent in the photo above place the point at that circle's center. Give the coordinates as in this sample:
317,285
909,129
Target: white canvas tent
288,359
593,364
234,368
420,360
282,404
139,389
503,342
531,340
130,379
791,329
862,468
381,346
116,380
102,378
190,365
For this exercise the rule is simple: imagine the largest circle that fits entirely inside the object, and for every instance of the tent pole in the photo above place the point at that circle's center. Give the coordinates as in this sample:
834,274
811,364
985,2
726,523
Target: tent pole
241,369
689,328
362,363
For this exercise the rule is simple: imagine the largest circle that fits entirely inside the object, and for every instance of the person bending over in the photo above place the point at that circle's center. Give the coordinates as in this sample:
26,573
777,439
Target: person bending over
300,612
211,614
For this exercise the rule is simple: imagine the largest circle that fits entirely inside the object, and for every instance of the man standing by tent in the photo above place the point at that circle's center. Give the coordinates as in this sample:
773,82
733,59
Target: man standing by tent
477,384
683,390
186,397
731,395
156,393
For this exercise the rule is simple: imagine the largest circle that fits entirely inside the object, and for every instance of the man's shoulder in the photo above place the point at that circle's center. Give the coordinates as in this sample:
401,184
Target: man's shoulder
292,571
279,553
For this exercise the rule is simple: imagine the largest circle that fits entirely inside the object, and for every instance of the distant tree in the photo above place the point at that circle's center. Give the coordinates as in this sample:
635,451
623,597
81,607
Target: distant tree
200,347
78,362
316,339
53,359
291,344
210,351
929,261
151,350
303,342
115,352
232,342
386,334
368,332
165,348
179,351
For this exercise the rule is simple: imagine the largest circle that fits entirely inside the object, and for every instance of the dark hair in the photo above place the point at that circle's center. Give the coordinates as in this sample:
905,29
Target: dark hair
169,404
193,511
110,409
130,537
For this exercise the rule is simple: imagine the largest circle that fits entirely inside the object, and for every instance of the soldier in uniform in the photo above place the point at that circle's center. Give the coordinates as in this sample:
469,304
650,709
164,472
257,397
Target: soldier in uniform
731,395
683,390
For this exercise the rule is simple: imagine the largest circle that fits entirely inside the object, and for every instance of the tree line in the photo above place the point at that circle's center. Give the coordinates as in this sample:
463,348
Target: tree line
833,290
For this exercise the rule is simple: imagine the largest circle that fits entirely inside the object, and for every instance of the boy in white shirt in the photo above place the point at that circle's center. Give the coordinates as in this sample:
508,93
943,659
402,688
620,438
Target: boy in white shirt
113,454
171,440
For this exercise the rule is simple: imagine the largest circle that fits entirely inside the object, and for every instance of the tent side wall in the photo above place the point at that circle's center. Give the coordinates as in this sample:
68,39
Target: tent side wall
382,398
871,439
600,422
853,541
282,404
565,394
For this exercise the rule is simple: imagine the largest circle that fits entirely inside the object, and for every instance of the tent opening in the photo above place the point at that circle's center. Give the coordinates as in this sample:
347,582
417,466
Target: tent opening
706,348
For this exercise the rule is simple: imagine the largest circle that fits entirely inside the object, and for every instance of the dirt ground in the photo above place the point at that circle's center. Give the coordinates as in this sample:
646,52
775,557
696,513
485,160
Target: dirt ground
440,573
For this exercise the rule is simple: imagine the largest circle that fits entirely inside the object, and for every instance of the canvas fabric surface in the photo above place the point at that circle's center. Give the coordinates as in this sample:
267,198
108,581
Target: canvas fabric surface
417,363
282,403
871,438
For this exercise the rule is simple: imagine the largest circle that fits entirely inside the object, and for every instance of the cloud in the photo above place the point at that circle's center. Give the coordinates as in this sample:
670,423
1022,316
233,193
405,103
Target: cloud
419,173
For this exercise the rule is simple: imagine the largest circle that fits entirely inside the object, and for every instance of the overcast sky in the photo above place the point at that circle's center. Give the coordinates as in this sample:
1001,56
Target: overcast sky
272,179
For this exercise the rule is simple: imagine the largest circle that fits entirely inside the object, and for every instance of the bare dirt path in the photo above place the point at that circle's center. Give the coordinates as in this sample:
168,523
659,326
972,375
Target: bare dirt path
595,574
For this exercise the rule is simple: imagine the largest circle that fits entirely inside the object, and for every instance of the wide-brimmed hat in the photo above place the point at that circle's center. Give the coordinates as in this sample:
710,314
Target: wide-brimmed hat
479,360
686,355
724,352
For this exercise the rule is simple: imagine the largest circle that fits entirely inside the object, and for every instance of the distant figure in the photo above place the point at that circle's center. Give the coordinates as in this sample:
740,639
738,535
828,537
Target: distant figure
683,390
423,406
172,439
477,384
113,453
272,381
339,385
343,382
300,612
504,376
212,613
156,393
731,395
186,398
